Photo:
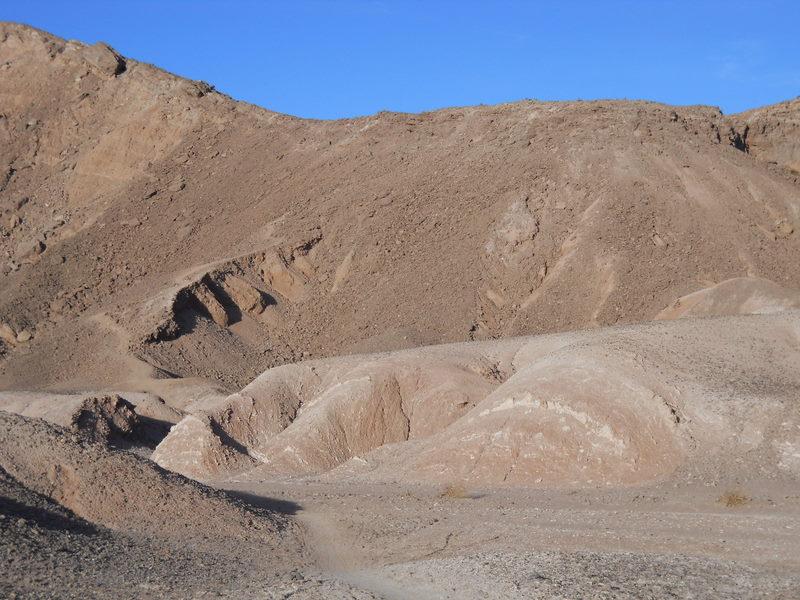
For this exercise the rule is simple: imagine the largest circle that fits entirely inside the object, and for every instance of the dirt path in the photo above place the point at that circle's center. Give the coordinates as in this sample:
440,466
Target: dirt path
339,557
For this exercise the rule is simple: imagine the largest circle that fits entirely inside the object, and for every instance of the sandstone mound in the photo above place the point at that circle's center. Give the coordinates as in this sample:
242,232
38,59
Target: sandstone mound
121,491
352,405
741,296
612,406
568,419
147,215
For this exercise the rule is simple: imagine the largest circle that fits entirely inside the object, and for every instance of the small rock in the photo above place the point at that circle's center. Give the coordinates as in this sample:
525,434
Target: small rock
58,306
30,248
13,222
542,273
177,185
783,229
658,241
7,333
24,336
192,89
204,88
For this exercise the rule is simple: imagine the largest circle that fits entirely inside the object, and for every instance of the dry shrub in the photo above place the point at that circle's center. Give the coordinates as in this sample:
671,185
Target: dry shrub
733,499
455,491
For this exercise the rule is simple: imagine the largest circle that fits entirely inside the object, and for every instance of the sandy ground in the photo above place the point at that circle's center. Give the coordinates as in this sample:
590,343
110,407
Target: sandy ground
656,542
399,542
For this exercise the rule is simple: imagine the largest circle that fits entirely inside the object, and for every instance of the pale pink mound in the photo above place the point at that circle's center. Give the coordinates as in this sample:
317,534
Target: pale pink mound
739,296
604,407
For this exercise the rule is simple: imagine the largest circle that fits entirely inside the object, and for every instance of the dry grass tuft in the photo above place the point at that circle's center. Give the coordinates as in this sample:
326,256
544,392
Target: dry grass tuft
455,491
733,499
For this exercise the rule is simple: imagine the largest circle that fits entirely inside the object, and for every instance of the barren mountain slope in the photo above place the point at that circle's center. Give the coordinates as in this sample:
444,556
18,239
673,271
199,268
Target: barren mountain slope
145,215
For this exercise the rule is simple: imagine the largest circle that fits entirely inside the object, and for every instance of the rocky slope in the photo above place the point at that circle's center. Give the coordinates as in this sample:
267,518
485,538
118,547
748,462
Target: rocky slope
47,551
153,228
124,492
135,421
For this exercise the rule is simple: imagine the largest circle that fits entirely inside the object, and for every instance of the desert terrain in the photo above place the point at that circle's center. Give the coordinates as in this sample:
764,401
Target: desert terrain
531,350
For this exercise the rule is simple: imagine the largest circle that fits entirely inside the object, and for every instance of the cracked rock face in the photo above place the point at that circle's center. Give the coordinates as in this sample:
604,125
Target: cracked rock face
772,133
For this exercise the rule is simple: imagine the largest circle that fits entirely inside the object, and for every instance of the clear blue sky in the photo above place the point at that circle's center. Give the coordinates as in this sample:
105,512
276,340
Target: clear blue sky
355,57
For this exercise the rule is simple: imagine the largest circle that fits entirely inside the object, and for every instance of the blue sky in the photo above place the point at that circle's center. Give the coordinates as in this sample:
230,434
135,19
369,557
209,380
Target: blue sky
340,59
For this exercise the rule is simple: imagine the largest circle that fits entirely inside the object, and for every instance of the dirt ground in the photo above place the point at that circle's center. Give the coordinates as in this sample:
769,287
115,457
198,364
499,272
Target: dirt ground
663,541
433,542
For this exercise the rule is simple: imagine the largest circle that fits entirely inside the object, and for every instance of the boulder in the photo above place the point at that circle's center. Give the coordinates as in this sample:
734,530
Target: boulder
208,303
104,59
245,296
30,248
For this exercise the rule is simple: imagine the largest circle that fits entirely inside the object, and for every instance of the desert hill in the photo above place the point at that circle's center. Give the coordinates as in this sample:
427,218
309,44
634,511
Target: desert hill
153,228
80,520
538,349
